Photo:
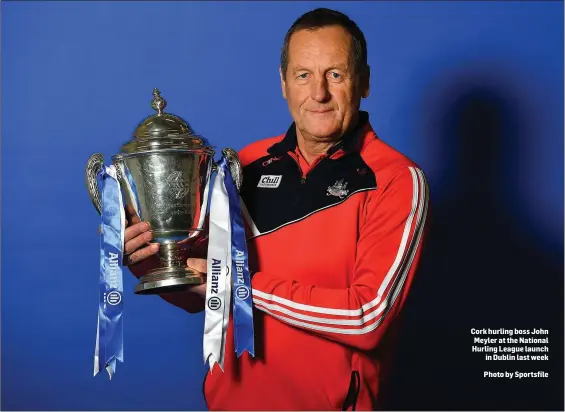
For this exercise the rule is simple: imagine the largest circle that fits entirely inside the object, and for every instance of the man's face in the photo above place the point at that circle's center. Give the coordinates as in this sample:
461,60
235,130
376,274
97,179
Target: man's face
321,87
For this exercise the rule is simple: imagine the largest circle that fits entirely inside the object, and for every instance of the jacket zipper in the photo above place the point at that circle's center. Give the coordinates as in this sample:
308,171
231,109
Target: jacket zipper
303,175
352,392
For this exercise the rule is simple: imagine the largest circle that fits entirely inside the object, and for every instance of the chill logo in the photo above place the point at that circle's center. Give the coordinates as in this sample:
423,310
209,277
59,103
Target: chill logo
214,302
270,181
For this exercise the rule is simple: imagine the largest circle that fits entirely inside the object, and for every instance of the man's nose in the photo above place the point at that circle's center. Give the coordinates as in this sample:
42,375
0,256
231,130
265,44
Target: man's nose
320,91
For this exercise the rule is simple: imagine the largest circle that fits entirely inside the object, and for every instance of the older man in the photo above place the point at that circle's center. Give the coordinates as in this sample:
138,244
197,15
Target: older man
334,238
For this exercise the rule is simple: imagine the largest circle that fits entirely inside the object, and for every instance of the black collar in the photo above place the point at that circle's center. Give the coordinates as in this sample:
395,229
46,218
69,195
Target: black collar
348,142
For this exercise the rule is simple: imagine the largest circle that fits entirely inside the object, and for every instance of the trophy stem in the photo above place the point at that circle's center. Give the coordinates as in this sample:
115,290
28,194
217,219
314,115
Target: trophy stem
173,275
171,255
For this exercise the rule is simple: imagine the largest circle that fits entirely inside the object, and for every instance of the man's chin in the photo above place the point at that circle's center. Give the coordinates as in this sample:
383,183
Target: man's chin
322,131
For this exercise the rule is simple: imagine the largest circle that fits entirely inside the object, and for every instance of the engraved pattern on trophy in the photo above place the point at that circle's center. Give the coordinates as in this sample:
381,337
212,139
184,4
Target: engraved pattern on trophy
235,166
93,165
119,173
168,195
174,256
129,195
178,183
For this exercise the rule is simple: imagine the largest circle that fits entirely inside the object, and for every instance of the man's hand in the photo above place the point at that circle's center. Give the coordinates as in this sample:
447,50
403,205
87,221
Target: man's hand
194,298
201,266
137,242
139,253
137,246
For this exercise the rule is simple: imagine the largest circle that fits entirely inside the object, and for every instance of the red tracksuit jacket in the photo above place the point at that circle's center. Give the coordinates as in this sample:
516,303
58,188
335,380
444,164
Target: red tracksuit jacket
332,251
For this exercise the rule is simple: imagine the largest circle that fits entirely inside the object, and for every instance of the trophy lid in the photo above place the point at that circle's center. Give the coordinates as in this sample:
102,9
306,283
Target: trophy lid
163,131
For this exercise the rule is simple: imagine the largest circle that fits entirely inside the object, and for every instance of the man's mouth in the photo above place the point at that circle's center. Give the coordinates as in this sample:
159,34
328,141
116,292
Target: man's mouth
320,111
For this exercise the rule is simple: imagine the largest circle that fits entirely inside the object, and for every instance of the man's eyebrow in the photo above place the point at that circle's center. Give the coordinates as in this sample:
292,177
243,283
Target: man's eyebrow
297,68
342,67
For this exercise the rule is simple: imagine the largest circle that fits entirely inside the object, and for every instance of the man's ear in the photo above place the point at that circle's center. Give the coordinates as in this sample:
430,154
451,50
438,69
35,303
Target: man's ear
366,83
283,83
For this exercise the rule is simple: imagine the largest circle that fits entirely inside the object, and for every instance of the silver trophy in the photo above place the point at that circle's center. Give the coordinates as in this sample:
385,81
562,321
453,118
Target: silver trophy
164,174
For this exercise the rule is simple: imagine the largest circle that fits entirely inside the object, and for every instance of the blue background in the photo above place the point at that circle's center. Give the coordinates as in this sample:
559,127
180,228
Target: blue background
473,92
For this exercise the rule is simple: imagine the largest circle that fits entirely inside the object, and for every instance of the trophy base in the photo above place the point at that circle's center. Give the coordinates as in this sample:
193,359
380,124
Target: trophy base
169,280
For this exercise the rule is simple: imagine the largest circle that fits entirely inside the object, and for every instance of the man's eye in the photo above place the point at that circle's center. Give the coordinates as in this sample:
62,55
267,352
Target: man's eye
303,76
335,76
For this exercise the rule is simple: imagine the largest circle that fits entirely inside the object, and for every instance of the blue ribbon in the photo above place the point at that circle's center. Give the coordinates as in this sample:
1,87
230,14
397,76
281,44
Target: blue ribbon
134,191
110,321
242,297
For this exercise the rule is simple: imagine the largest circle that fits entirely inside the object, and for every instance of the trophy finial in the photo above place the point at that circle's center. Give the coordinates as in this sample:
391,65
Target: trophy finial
160,125
158,103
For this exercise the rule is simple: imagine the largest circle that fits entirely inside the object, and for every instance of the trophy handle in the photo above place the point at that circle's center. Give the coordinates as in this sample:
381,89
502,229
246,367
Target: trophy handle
95,162
235,166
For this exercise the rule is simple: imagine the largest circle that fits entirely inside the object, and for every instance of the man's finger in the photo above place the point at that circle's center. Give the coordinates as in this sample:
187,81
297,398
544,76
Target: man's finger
131,215
197,264
141,254
135,230
138,241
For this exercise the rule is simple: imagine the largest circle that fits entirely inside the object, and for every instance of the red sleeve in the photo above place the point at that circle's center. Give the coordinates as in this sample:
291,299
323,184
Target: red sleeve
389,247
256,150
